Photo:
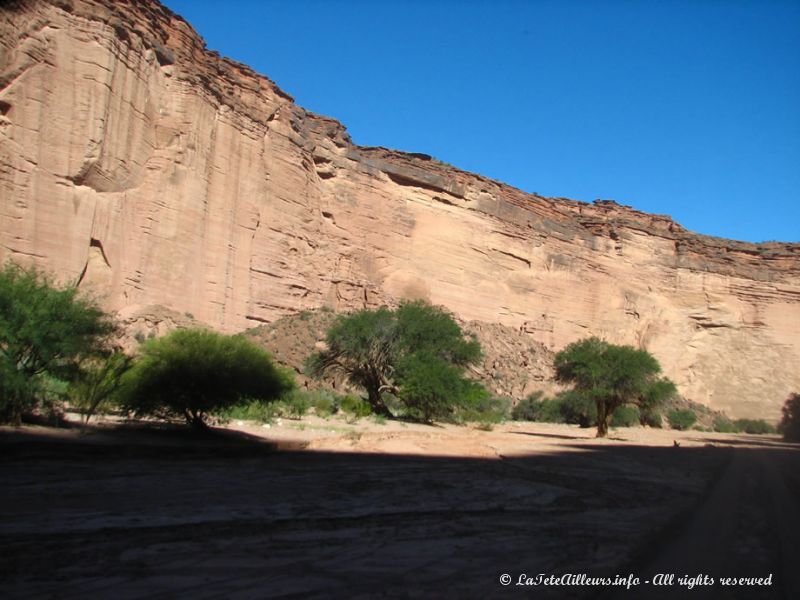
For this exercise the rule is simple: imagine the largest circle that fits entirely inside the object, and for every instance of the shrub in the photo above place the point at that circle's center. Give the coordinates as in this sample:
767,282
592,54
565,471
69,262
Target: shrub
576,408
193,372
550,411
527,409
251,410
45,331
651,417
355,407
484,409
324,403
681,419
537,408
755,426
724,425
790,420
297,403
626,416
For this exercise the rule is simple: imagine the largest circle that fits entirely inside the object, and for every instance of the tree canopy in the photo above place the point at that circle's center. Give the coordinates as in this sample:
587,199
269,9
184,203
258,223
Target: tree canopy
192,372
45,330
416,352
611,376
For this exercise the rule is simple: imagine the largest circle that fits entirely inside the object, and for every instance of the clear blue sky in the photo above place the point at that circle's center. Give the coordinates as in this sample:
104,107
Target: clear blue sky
689,108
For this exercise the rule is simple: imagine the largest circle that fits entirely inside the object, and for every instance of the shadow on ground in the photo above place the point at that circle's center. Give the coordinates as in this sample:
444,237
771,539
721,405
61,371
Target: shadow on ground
170,513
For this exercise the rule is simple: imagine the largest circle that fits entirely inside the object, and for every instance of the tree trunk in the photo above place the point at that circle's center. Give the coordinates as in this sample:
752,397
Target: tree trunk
378,405
603,417
195,420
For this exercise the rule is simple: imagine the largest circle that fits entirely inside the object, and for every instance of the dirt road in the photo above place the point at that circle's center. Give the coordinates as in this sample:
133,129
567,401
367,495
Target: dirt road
748,527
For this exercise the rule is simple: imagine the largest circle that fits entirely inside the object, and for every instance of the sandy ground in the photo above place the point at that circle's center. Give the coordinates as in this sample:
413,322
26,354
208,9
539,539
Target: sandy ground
328,508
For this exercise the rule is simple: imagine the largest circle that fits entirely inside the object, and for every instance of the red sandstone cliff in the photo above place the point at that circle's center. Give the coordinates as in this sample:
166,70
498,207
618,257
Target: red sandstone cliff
157,172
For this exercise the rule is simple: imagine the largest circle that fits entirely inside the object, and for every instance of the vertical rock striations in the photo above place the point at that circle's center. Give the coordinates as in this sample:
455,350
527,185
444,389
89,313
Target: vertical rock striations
154,171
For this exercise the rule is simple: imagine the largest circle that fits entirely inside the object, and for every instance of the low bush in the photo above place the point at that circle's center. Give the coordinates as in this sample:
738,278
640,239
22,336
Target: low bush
323,402
296,403
755,426
577,409
681,419
724,425
567,407
528,409
484,409
651,418
355,407
537,408
550,411
251,410
626,416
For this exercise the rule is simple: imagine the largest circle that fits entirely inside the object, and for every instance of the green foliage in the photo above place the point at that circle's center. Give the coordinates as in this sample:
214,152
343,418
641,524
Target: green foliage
529,409
97,381
416,353
483,408
355,407
532,408
45,330
50,397
297,403
577,408
250,410
363,347
551,410
756,426
790,419
430,329
724,425
612,376
651,417
571,406
433,388
626,416
193,372
681,419
323,402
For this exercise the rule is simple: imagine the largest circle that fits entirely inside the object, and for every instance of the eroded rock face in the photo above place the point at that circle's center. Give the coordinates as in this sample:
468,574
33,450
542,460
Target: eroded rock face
155,172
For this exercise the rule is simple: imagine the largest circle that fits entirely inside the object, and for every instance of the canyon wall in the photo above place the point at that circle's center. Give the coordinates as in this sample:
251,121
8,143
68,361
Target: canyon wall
156,172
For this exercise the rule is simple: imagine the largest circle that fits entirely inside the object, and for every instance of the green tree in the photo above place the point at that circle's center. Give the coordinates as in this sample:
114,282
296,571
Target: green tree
363,346
612,376
45,330
790,420
191,372
434,388
96,382
417,352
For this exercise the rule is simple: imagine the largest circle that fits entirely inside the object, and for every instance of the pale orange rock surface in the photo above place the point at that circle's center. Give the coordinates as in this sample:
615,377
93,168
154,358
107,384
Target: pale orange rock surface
158,173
